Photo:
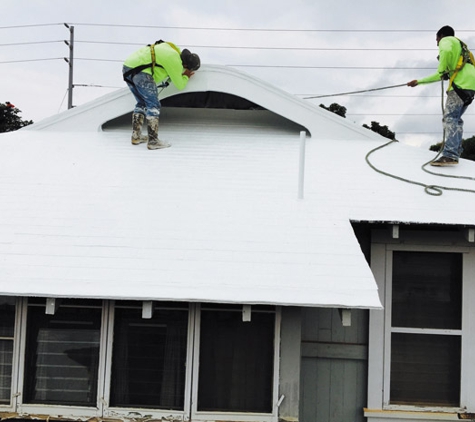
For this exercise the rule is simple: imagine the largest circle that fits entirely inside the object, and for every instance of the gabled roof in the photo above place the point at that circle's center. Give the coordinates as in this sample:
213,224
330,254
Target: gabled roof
320,123
214,218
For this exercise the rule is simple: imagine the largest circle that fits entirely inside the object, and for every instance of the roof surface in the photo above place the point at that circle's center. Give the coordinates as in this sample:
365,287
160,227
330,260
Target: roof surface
214,218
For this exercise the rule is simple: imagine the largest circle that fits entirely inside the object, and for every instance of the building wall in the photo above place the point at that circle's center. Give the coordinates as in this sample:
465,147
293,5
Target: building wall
334,366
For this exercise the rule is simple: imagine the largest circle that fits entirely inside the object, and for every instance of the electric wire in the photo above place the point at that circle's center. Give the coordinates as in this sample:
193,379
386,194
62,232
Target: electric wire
32,60
245,47
265,29
31,42
30,26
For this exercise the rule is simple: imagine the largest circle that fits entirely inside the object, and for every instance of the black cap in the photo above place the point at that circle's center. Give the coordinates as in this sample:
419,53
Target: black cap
190,60
446,31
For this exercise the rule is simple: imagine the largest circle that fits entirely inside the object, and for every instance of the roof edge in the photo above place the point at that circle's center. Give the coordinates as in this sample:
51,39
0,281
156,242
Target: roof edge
90,116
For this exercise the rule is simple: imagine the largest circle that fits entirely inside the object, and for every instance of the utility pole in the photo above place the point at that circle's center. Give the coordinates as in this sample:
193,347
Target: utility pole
70,61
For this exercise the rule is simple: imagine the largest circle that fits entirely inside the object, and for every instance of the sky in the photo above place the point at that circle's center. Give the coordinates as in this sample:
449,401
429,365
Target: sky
305,47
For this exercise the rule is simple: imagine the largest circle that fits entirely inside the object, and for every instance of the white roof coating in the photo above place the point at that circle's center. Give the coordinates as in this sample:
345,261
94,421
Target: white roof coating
214,218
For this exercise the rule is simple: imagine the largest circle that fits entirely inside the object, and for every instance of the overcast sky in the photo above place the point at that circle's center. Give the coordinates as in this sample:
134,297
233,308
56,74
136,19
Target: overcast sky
306,47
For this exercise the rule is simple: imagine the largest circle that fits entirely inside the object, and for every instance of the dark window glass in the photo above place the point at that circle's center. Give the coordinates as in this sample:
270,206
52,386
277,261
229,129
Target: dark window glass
425,369
62,355
427,290
236,362
427,294
7,325
149,358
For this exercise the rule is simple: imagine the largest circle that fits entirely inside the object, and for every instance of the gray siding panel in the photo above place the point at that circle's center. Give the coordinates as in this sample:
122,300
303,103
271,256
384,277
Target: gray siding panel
334,366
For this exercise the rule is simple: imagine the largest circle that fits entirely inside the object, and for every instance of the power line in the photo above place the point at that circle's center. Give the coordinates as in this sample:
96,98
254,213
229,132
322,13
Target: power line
378,96
96,86
32,60
401,114
332,67
32,42
264,29
98,60
197,28
238,47
226,47
30,26
286,66
430,133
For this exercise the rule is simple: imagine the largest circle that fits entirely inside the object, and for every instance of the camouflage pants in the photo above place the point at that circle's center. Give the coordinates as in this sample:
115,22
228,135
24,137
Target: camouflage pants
453,125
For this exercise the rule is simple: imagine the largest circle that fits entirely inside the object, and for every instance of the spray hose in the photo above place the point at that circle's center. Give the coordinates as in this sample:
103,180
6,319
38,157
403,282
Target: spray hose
354,92
435,190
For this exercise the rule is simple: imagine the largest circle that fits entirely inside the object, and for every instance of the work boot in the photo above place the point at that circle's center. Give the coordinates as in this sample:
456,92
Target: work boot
137,122
153,141
444,161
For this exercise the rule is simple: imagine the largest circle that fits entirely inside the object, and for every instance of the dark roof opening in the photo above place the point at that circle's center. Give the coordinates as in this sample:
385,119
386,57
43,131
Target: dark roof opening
212,109
210,99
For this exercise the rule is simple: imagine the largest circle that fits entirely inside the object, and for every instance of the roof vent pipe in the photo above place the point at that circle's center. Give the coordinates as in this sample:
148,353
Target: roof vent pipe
303,136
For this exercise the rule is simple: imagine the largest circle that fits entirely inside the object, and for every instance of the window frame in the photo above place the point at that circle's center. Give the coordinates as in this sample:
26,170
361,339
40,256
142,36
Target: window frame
58,410
379,359
111,411
15,361
407,330
102,408
203,416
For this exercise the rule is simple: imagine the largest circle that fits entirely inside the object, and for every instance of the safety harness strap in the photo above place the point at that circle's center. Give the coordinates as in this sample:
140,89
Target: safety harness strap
152,54
128,76
466,56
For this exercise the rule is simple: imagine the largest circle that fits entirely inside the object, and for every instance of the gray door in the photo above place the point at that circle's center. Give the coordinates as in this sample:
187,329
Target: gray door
334,366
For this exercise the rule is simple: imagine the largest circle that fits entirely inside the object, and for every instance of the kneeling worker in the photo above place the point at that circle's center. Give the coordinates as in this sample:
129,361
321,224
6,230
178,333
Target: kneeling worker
143,70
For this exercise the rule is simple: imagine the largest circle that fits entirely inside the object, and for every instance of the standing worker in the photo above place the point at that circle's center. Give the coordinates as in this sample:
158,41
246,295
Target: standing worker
457,65
143,70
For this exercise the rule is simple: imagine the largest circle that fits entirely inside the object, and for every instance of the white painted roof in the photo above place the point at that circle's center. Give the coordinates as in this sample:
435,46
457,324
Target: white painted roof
214,218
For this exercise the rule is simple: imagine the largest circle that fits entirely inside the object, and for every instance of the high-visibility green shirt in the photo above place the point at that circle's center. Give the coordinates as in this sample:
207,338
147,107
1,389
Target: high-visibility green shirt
449,54
166,56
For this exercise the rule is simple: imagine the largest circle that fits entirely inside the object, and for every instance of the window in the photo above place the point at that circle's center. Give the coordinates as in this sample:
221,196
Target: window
422,344
62,354
111,359
149,357
7,325
236,361
426,321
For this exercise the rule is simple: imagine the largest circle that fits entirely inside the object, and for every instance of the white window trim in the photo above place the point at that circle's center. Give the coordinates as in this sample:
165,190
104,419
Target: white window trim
102,410
380,328
10,407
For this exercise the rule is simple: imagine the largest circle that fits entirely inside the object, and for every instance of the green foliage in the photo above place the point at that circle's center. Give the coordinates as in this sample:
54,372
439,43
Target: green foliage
9,118
375,126
468,148
382,130
336,108
436,147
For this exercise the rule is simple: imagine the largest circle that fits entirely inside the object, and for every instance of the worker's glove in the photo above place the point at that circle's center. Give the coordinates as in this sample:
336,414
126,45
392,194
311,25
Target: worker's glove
164,84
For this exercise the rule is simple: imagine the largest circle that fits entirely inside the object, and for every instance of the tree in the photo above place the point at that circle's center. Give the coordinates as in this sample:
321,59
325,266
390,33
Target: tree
336,108
382,130
468,148
375,126
10,119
